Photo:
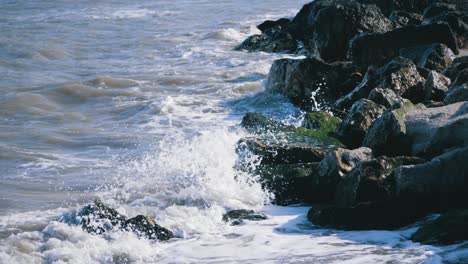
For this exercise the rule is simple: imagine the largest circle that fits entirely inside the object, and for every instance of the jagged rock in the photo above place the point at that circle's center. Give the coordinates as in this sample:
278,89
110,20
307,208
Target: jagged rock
312,83
336,164
449,228
402,18
462,78
272,40
378,48
354,126
399,75
388,134
98,218
436,9
322,121
388,6
291,183
386,97
458,22
457,66
258,123
338,21
434,57
457,94
370,181
145,227
236,217
436,86
270,24
441,182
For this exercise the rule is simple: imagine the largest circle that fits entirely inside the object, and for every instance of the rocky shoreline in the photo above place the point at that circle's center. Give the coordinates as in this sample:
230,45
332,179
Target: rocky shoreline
384,142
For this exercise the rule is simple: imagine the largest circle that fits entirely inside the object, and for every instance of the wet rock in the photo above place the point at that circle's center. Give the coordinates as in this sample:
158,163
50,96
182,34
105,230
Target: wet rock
457,94
236,217
388,6
272,40
322,121
436,9
388,134
402,18
258,123
386,97
458,65
434,57
449,228
378,48
312,83
336,164
436,86
338,21
399,75
354,126
370,181
271,24
144,226
439,183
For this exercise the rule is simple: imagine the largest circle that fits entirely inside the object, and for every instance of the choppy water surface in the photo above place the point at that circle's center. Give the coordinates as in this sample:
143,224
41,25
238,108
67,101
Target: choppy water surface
135,103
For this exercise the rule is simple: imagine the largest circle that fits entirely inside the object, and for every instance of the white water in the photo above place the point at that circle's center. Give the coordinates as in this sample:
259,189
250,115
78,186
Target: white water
136,103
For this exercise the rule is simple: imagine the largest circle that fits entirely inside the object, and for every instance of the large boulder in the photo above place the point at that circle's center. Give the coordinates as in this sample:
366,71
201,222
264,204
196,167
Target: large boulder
264,26
436,86
457,94
378,48
449,228
434,56
399,75
386,97
312,83
354,126
388,6
458,22
272,40
321,121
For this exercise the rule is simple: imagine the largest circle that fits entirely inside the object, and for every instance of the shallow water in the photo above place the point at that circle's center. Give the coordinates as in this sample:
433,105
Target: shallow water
136,103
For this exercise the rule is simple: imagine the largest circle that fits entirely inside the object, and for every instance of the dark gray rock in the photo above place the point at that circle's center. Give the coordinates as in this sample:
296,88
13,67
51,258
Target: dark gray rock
436,9
399,75
458,65
388,6
311,83
457,94
436,86
354,126
434,57
403,18
462,78
378,48
449,228
236,217
458,22
272,40
144,226
258,123
386,97
271,24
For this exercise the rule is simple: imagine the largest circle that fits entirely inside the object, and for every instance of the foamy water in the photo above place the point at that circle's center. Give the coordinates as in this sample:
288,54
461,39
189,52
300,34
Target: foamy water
137,104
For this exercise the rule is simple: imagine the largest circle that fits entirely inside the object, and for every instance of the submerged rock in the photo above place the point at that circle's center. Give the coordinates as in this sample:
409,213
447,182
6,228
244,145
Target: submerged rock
146,227
236,217
449,228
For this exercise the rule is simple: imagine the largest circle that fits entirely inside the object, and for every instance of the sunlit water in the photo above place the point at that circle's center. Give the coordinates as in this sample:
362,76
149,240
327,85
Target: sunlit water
137,104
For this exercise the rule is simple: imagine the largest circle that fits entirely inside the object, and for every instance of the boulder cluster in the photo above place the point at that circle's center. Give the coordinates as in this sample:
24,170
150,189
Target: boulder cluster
384,142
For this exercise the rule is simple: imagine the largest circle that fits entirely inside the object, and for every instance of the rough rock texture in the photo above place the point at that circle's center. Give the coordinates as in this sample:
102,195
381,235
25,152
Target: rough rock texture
457,66
321,121
457,94
98,218
236,217
449,228
462,78
271,24
258,123
436,86
312,83
354,126
399,75
386,97
272,40
388,6
402,18
434,57
377,48
458,22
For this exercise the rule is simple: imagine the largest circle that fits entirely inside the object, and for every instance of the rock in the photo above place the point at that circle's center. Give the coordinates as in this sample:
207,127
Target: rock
388,134
312,83
236,217
457,20
98,218
462,78
436,86
457,94
388,214
386,97
388,6
434,57
291,183
338,21
336,164
370,181
399,75
272,40
144,226
458,65
436,9
450,228
322,121
258,123
439,183
378,48
361,116
271,24
403,18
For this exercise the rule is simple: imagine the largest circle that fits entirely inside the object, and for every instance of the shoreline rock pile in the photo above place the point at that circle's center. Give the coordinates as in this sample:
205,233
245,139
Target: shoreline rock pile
385,138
